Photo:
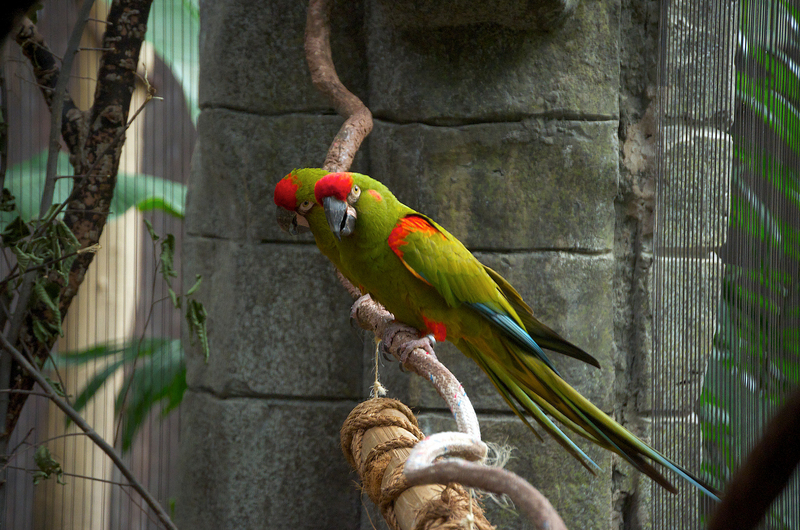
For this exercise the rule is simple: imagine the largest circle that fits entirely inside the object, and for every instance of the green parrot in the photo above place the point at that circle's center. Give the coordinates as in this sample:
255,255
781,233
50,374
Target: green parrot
298,211
429,280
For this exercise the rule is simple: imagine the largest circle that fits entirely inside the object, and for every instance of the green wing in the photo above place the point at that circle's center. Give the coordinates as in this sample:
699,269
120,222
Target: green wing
435,256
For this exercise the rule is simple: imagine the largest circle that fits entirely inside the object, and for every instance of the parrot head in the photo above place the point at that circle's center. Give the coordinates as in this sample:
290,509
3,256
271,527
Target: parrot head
338,193
294,197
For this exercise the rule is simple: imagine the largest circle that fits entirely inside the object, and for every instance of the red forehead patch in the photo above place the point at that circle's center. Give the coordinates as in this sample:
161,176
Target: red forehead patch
333,185
286,192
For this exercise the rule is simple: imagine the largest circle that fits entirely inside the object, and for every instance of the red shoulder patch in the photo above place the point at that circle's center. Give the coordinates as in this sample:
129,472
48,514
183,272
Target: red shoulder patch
407,225
286,192
333,185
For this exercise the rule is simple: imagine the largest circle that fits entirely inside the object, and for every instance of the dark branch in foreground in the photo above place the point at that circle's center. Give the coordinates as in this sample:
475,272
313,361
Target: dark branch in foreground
85,427
764,474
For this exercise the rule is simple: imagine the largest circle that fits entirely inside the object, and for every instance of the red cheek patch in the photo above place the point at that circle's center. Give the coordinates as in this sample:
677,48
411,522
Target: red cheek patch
378,196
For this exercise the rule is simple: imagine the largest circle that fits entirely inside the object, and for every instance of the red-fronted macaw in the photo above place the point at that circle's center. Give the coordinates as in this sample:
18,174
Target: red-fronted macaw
298,210
430,281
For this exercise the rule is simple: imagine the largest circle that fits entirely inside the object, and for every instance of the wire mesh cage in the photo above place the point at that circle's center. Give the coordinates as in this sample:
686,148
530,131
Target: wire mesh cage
726,254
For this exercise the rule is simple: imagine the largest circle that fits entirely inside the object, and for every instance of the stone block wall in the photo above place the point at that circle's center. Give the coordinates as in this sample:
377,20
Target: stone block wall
505,129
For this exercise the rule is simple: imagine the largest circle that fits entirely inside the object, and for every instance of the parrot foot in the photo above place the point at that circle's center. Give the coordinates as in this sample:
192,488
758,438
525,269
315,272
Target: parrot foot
356,305
426,343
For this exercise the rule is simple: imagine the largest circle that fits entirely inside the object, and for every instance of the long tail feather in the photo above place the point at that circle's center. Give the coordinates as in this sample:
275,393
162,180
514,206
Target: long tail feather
536,387
509,389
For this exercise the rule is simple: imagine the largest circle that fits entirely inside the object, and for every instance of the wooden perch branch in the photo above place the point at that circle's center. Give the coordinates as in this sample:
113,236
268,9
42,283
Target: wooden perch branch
372,316
376,440
358,123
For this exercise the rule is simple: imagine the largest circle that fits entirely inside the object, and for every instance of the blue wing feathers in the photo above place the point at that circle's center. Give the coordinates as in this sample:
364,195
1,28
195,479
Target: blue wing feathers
515,332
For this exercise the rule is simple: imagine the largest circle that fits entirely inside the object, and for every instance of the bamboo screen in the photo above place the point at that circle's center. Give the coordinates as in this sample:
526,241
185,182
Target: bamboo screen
120,358
726,241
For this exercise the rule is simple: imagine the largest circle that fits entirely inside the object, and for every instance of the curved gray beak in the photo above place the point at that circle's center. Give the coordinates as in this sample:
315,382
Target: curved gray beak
288,221
341,217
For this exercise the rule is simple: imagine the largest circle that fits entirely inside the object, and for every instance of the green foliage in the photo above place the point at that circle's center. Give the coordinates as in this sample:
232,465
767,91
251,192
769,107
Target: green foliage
158,377
756,356
25,181
158,370
47,466
196,317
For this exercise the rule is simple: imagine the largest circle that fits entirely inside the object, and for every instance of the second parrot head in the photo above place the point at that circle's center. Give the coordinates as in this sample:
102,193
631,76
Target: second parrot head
294,197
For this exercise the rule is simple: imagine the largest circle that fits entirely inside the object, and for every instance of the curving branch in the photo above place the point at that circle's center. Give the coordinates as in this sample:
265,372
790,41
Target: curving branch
419,468
372,316
358,122
528,499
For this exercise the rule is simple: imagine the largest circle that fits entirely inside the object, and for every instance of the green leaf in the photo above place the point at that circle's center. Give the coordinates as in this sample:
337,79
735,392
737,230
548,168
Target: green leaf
94,384
25,181
151,231
7,201
167,258
196,319
57,387
176,300
47,466
14,230
159,378
197,281
158,203
147,192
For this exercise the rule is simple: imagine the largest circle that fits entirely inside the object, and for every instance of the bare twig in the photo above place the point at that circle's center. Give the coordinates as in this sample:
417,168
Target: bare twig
91,433
48,73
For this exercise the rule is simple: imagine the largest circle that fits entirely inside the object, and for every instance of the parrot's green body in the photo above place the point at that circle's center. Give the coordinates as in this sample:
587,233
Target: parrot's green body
429,280
295,194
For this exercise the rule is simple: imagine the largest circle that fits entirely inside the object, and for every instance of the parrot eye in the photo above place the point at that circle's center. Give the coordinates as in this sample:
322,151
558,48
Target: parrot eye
304,207
355,193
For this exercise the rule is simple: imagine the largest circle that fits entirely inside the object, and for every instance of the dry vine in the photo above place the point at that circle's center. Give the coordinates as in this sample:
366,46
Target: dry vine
371,316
